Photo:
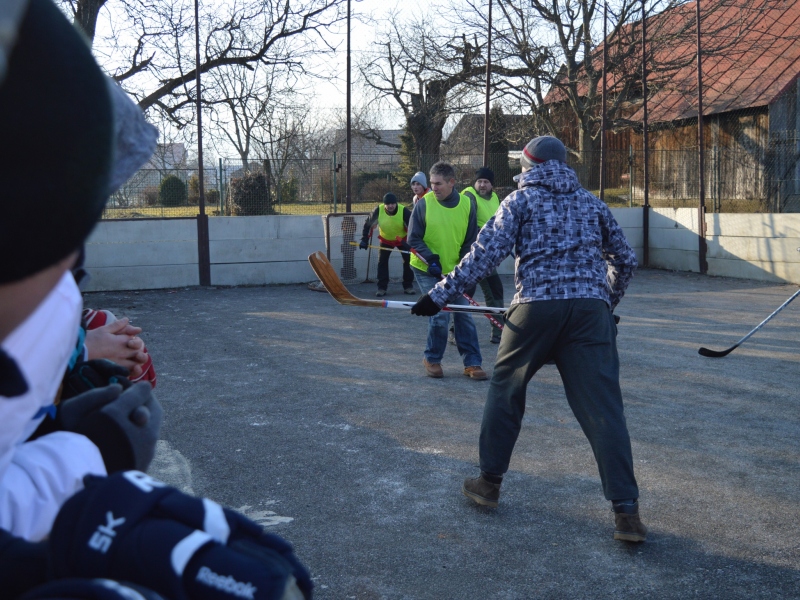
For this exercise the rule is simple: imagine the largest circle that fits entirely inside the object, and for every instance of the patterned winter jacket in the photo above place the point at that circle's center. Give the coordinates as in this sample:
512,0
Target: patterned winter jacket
566,242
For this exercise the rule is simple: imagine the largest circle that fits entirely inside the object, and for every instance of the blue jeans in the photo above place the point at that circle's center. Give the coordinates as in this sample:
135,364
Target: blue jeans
466,334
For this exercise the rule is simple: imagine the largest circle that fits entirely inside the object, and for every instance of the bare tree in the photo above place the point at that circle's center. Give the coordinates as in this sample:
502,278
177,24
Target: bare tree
561,42
422,72
285,146
149,47
240,99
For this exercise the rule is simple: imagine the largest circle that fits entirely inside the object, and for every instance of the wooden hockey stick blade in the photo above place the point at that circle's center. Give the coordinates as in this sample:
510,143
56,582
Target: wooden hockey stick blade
327,275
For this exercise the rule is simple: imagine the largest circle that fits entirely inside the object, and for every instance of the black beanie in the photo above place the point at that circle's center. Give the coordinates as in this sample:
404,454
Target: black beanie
56,136
485,173
390,198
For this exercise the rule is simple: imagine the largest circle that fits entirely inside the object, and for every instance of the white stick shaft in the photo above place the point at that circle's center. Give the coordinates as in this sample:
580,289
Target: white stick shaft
764,322
449,307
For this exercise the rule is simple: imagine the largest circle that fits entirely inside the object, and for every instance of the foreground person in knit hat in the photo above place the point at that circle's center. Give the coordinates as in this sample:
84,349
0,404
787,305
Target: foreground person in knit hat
573,265
62,520
90,137
487,203
392,225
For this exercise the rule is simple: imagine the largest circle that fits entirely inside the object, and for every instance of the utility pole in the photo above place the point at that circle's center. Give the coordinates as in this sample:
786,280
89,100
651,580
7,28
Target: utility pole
349,172
701,209
604,107
488,84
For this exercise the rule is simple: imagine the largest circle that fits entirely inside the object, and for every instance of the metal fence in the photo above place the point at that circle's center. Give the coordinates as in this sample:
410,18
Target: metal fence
738,178
296,187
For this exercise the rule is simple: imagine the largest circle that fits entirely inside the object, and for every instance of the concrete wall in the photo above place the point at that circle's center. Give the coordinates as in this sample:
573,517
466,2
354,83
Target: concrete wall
748,246
142,254
153,254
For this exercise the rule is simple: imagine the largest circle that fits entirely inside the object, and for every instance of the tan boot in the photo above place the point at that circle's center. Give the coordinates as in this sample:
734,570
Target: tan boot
433,369
475,373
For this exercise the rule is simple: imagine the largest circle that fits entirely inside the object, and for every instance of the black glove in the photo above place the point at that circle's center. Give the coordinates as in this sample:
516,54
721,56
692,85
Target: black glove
23,564
434,266
92,374
124,425
131,527
425,307
616,319
364,244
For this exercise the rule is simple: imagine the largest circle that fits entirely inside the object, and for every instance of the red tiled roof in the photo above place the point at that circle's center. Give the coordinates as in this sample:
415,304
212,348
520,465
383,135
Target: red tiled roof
761,57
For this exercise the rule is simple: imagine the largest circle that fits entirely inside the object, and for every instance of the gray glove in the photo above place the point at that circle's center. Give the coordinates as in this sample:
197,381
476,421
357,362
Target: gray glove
124,425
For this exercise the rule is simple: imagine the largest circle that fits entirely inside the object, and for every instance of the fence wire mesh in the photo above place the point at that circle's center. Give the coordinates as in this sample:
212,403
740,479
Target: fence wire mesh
750,165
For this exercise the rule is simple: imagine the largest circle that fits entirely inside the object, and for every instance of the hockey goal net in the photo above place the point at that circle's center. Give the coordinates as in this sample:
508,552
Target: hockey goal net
342,236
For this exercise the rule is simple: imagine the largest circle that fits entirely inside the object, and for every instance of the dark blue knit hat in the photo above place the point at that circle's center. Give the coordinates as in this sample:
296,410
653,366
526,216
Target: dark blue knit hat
485,173
63,136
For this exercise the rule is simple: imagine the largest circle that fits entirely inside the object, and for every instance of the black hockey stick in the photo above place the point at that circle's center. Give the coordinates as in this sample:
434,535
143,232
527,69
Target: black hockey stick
715,354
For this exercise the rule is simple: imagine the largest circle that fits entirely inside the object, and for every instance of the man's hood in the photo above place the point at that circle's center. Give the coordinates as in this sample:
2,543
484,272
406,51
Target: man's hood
553,175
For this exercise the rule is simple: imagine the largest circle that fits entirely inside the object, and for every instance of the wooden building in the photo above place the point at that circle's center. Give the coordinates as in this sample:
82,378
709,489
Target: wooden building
751,107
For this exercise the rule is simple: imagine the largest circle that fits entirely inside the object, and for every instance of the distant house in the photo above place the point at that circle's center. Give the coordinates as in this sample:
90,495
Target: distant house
168,156
464,145
751,104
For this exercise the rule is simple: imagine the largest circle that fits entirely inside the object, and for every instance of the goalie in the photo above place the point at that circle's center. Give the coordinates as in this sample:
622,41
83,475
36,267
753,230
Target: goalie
392,232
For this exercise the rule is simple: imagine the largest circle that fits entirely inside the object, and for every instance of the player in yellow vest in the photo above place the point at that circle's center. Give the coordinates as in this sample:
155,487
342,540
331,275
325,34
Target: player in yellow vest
487,203
392,231
442,228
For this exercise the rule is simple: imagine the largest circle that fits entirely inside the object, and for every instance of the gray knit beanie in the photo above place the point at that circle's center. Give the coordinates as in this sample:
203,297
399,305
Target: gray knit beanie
420,178
541,149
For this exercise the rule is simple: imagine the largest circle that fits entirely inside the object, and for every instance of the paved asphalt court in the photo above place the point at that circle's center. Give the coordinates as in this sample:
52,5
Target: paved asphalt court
317,421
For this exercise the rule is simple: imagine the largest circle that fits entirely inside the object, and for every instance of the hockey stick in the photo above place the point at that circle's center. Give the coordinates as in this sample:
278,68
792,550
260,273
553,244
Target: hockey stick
327,275
715,354
381,247
469,299
466,296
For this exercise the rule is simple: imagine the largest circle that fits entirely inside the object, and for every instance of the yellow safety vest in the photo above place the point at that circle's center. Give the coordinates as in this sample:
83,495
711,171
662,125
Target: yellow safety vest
486,208
445,230
391,228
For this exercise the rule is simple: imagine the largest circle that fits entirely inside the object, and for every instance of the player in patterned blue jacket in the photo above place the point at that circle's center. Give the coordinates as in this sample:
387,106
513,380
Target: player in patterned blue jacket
573,265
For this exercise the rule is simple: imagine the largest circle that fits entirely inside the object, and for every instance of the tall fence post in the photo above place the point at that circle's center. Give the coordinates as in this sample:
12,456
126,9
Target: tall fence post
221,190
645,148
630,176
203,250
701,209
603,148
335,169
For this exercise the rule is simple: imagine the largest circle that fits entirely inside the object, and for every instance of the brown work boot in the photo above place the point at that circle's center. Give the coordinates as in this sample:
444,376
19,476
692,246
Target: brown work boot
481,491
629,528
475,373
433,369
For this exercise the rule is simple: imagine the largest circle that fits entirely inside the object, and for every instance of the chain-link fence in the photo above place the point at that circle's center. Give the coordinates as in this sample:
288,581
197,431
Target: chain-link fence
746,170
294,187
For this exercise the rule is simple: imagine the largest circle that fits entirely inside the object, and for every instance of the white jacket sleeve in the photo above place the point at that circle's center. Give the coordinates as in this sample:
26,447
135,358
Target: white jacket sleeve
37,477
42,475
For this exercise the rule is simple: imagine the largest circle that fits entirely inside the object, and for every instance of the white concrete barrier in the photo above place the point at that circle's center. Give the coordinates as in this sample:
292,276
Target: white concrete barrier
153,253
